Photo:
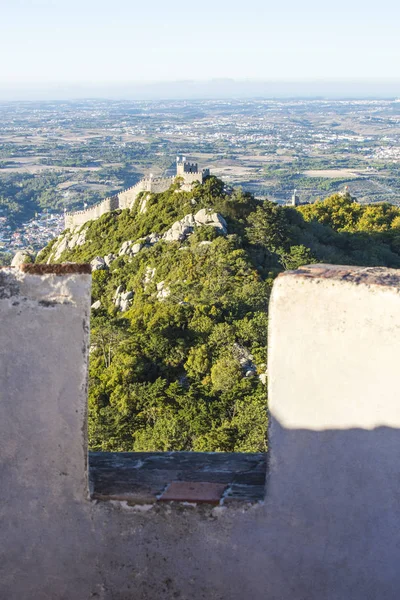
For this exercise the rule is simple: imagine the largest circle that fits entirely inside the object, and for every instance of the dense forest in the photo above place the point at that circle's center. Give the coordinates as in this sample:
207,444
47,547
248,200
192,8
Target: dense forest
178,356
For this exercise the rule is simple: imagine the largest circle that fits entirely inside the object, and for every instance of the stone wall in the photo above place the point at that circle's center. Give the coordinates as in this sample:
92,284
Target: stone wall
94,212
329,525
126,198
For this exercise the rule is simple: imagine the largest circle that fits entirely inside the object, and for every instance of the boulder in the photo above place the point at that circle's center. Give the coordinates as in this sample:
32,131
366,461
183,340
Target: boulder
78,237
130,248
202,217
21,257
124,248
178,232
96,305
98,264
206,217
153,238
58,248
162,291
135,249
127,295
188,220
124,305
108,259
122,300
220,223
67,241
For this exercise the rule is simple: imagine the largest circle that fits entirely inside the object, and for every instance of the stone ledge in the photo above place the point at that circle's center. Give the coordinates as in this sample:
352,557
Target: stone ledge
43,269
346,273
149,477
59,269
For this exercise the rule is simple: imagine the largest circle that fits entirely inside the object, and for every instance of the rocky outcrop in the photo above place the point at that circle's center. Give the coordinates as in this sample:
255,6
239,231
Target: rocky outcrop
122,300
206,217
180,230
163,291
67,241
130,248
21,257
108,259
143,203
98,264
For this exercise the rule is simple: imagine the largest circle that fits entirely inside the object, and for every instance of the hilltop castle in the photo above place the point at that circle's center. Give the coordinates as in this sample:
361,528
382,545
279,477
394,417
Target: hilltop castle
185,170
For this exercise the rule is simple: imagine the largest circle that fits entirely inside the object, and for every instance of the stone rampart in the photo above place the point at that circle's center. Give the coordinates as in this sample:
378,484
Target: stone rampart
328,527
124,199
80,217
128,196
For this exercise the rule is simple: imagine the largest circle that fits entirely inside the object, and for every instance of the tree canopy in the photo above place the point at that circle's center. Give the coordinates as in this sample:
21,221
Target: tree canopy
187,370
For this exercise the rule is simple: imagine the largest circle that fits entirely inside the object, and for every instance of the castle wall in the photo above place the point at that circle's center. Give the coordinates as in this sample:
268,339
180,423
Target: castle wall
328,528
124,199
94,212
190,178
128,197
160,184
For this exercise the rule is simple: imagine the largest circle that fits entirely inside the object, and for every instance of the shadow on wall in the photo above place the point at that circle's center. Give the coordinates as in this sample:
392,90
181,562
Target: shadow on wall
329,529
333,504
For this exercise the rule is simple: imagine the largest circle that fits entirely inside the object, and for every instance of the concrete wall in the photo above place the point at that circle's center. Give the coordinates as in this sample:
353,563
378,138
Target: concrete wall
329,525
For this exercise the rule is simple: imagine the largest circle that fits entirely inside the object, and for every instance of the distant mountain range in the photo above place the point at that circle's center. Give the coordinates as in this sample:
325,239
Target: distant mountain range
213,89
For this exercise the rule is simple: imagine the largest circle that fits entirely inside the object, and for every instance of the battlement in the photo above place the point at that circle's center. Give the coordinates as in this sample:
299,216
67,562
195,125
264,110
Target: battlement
72,525
126,198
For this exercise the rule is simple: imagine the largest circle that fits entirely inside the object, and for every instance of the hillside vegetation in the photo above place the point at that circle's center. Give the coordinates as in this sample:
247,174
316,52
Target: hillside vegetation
179,328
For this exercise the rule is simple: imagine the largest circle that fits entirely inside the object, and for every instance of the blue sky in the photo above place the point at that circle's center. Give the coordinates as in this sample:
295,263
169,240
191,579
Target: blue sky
137,41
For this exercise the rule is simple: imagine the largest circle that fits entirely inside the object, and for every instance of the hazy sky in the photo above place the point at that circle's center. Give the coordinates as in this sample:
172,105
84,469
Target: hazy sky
154,40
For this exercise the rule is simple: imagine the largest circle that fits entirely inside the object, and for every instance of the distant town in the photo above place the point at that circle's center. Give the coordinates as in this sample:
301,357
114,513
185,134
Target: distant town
67,156
34,234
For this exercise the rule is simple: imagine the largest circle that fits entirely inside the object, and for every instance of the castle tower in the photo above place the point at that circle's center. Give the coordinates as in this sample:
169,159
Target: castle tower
183,166
189,172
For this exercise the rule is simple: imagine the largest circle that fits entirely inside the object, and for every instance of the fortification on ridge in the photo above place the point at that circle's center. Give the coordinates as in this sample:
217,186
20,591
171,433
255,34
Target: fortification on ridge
186,170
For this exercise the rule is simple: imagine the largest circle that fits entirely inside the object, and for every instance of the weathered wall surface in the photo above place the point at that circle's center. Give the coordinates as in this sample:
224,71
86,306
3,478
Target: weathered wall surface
43,472
128,197
334,340
328,528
